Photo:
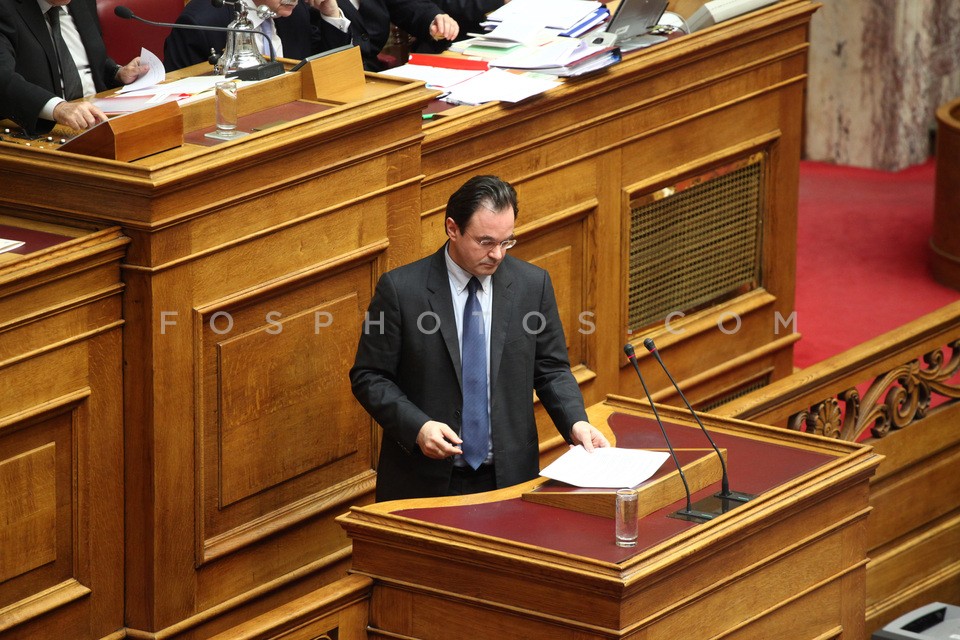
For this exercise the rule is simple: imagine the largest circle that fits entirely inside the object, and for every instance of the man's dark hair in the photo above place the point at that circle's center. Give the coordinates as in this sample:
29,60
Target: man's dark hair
480,191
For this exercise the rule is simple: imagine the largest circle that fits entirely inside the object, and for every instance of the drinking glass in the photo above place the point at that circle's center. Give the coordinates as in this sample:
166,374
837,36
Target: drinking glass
627,520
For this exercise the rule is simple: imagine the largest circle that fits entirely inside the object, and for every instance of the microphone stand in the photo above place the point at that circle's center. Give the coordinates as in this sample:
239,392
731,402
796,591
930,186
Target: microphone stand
687,513
725,493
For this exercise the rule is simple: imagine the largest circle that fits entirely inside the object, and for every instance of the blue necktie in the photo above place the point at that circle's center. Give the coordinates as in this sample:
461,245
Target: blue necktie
476,421
267,27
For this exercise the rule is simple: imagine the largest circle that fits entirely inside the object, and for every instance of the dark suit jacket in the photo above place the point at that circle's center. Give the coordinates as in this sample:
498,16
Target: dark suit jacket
468,14
29,75
370,26
407,371
303,34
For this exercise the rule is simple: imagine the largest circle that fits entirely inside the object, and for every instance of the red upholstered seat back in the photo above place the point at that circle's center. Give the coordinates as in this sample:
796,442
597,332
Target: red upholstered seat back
125,37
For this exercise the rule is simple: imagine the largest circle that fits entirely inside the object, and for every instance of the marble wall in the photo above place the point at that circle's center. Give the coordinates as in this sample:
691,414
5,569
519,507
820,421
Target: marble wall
878,71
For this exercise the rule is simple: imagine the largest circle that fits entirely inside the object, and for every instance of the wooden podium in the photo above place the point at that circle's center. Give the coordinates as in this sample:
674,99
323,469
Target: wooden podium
789,563
250,265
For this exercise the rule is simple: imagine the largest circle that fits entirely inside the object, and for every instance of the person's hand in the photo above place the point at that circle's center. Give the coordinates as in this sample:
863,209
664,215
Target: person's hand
131,71
328,8
589,436
444,27
438,441
78,115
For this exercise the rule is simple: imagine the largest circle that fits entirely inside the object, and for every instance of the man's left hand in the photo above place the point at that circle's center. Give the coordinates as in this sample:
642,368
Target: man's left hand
328,8
131,71
444,27
584,433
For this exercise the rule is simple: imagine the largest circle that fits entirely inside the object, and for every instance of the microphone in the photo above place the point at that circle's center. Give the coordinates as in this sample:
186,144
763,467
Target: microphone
687,513
725,493
258,72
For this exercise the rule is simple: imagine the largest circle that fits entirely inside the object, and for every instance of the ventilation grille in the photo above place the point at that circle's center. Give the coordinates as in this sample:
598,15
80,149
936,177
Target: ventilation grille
695,244
733,395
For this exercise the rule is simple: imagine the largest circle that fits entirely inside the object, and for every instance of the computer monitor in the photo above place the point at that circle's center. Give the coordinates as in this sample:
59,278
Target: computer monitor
634,18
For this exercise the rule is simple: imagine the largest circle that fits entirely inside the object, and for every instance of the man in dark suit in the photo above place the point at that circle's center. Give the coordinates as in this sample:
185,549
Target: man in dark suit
368,22
31,84
415,379
300,30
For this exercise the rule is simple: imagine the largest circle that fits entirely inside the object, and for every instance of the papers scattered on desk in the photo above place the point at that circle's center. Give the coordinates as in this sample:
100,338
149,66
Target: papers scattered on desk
610,467
9,245
560,15
467,81
183,91
561,57
441,72
512,33
498,85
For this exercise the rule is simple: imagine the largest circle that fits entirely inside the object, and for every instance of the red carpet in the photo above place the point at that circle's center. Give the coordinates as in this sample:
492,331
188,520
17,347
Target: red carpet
862,255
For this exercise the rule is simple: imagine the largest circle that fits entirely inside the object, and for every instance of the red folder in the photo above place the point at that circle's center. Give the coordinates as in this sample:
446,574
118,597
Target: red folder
447,62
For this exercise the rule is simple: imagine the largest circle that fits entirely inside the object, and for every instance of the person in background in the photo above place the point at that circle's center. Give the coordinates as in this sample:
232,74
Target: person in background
40,82
298,30
368,22
452,349
468,14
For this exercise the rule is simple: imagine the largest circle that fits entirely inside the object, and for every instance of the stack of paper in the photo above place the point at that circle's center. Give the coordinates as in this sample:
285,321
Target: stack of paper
150,90
563,57
558,15
467,81
438,72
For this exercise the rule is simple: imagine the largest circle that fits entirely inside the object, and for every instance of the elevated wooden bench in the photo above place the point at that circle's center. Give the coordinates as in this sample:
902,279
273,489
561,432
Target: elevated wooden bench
898,392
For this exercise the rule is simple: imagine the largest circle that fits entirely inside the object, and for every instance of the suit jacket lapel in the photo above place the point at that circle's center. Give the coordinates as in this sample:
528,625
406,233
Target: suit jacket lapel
441,303
501,313
33,18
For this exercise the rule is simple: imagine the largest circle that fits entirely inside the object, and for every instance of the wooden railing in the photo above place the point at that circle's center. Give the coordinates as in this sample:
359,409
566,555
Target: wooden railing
899,393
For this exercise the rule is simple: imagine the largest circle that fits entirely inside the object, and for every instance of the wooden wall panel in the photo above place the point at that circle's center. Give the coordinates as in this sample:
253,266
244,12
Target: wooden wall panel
61,439
28,537
276,430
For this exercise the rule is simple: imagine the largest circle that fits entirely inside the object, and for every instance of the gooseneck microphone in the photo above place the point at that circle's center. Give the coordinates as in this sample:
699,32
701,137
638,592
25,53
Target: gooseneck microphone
258,72
687,513
725,492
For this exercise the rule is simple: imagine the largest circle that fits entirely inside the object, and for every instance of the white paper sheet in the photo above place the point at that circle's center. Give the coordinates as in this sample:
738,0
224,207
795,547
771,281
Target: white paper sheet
559,14
497,84
610,467
154,74
439,77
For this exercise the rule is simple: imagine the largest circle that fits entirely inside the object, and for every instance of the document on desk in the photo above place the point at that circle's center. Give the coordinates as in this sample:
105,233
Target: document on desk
498,85
154,74
440,72
436,77
9,245
555,14
607,468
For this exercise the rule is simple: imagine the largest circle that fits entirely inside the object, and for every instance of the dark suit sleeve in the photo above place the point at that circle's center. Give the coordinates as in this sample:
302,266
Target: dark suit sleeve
555,385
413,16
325,36
186,47
469,11
374,376
20,99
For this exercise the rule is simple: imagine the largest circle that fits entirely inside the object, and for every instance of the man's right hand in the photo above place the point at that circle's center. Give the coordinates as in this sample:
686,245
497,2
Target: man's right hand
78,115
438,441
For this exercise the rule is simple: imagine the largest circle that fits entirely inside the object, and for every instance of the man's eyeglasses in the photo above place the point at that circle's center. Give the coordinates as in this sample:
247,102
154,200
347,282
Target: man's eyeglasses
490,243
